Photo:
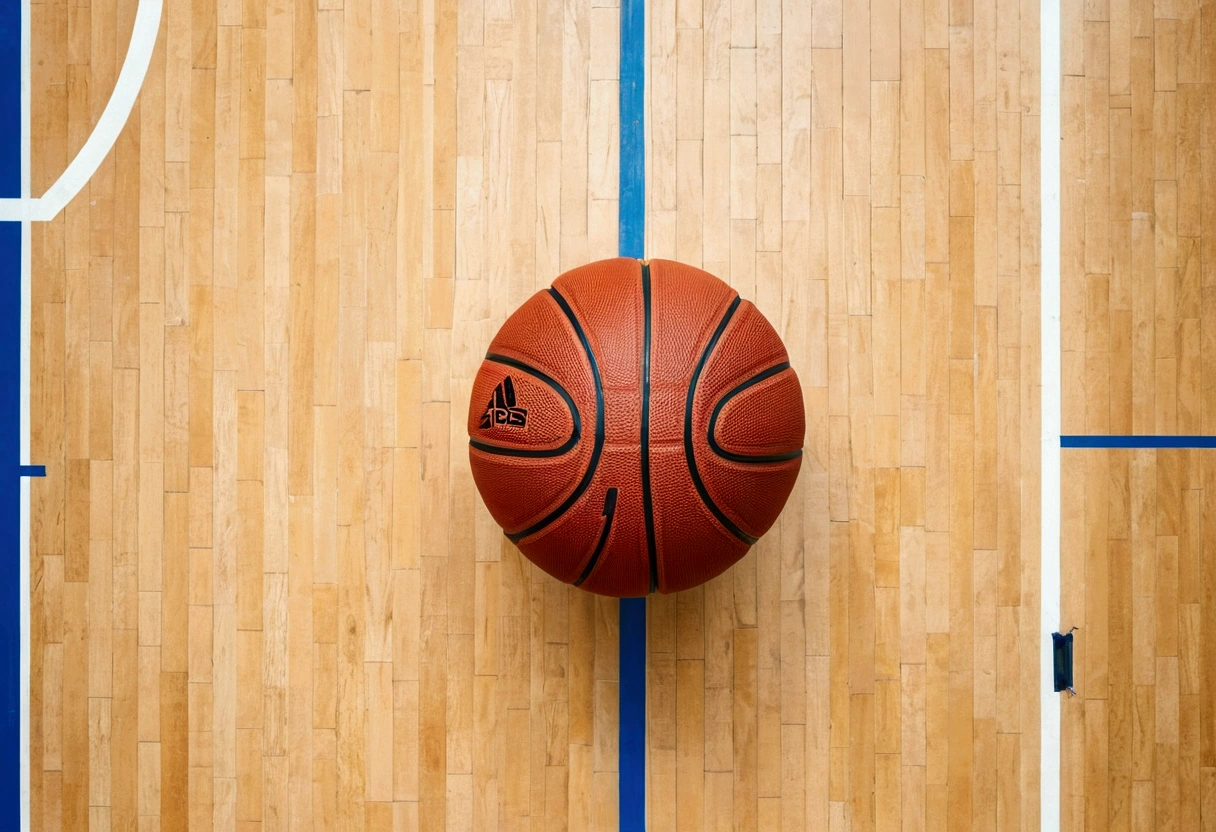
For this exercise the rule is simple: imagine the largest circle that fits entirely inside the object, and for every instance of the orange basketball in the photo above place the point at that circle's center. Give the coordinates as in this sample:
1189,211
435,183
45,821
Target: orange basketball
637,427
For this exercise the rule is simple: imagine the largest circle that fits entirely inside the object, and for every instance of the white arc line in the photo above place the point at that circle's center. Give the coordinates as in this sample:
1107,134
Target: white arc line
105,132
1049,292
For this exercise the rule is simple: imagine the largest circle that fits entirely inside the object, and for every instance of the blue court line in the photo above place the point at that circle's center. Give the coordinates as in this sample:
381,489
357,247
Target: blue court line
10,421
631,765
1134,441
633,134
632,761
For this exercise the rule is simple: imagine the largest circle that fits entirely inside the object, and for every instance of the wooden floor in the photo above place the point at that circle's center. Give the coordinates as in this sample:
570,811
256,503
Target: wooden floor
1139,528
1139,749
265,593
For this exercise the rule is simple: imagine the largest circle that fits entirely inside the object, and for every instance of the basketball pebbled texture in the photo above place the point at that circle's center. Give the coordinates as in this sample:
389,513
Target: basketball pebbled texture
637,427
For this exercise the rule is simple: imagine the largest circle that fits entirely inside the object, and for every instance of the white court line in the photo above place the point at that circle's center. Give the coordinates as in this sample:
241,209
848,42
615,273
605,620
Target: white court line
105,132
1049,286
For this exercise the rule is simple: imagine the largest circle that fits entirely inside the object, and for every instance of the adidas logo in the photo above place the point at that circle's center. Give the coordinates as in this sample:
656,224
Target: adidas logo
501,409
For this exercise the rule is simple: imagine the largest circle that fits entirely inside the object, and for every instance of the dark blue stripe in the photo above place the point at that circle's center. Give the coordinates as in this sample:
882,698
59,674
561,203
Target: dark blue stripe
10,421
1138,441
632,243
10,103
633,715
10,520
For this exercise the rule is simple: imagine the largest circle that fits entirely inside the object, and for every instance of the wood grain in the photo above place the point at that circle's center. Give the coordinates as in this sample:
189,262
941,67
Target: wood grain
266,593
1135,110
887,224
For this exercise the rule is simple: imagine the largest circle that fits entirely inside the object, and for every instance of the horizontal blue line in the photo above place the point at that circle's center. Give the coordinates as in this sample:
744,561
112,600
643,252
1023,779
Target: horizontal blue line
1134,441
31,470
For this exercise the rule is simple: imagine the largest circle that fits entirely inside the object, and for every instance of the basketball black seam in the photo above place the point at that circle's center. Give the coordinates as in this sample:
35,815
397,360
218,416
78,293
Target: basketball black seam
713,422
609,512
561,391
689,454
647,505
597,448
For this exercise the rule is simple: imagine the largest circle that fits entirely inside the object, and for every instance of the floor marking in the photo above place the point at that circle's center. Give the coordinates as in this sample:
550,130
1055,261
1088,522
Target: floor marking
1137,441
632,208
105,132
25,470
1049,286
631,230
14,265
632,760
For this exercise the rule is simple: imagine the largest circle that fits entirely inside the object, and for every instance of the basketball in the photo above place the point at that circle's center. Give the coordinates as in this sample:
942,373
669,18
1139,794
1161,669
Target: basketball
636,427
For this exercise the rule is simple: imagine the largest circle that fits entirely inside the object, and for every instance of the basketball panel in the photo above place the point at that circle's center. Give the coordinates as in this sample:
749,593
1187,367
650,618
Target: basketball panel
751,495
750,492
686,306
520,491
539,336
607,297
762,417
524,476
519,409
565,547
692,546
748,345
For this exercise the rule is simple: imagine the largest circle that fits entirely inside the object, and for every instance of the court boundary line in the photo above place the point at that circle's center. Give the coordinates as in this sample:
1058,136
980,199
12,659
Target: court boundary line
25,611
631,242
1050,380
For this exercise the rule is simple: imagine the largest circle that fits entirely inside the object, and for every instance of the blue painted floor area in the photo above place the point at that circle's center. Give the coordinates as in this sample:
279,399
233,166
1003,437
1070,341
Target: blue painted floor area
10,525
10,105
10,421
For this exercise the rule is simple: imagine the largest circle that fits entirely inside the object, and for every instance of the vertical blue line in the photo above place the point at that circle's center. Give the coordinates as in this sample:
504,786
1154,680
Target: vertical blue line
631,792
10,421
632,762
10,100
632,222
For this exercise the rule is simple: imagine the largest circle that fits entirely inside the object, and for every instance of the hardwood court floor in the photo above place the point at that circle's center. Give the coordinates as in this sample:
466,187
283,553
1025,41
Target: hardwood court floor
265,594
1139,242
